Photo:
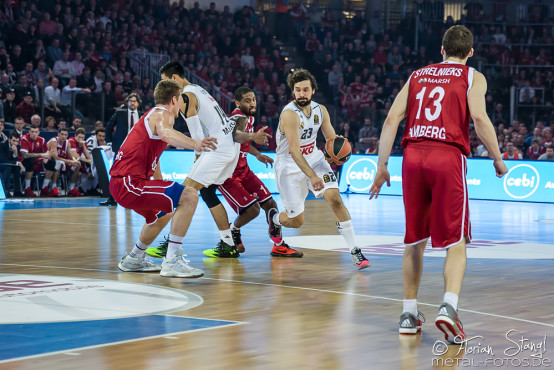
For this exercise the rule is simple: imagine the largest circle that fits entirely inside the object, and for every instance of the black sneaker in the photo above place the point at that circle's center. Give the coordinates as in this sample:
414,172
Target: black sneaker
409,324
274,229
159,251
223,250
237,240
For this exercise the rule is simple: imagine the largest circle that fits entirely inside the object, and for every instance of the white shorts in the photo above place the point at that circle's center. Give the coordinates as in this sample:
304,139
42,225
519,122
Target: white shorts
294,185
215,167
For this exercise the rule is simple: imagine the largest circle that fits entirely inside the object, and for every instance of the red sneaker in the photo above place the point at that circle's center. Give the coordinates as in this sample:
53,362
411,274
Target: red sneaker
75,192
284,250
29,193
44,192
54,192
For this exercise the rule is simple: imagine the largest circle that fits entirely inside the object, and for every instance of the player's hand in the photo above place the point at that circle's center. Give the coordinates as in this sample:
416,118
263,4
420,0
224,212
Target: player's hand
317,183
206,144
500,168
380,178
265,159
261,137
47,155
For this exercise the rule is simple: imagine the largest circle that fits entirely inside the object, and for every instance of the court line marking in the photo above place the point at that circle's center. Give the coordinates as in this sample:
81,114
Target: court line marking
319,290
65,352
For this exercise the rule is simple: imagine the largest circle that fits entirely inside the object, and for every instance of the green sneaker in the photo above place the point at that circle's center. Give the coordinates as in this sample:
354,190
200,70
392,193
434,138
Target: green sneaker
159,251
223,250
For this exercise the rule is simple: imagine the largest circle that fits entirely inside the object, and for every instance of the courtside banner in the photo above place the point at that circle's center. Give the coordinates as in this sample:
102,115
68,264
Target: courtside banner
175,165
526,181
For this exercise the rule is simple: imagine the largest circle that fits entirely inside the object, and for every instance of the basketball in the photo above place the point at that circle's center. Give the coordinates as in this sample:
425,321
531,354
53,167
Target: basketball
337,150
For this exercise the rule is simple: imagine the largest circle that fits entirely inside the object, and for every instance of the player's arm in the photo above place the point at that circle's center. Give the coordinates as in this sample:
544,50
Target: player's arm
262,158
482,122
396,114
161,123
326,127
289,124
53,148
240,136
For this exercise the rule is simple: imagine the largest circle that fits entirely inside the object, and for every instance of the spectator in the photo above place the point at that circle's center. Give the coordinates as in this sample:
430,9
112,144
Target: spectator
511,152
10,106
365,135
34,151
63,69
19,126
3,136
349,133
535,150
548,156
67,91
26,109
52,100
123,121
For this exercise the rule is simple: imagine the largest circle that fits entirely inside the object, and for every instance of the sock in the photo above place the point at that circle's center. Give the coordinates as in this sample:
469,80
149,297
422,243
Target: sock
71,185
46,183
138,250
276,219
27,183
347,231
451,299
226,236
233,227
175,243
410,305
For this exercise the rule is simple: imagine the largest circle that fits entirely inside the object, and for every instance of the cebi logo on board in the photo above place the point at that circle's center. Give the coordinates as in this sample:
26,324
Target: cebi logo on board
361,173
521,181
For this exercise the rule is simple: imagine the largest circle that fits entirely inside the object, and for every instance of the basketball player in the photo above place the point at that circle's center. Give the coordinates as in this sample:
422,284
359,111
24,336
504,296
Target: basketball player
205,117
80,151
301,167
437,102
61,158
130,184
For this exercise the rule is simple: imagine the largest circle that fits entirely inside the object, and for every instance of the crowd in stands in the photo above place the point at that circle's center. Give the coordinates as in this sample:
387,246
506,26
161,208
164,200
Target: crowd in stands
57,52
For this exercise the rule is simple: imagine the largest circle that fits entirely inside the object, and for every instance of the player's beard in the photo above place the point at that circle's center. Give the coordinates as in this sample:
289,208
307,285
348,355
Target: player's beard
249,113
303,103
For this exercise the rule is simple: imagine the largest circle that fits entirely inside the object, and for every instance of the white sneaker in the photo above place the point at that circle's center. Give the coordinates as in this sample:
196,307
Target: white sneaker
177,266
137,264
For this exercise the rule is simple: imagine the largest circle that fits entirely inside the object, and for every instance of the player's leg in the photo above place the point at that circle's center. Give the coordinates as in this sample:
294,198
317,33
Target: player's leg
29,164
50,168
73,181
417,207
60,166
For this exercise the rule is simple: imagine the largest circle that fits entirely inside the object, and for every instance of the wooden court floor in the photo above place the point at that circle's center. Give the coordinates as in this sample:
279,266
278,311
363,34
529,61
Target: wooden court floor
316,312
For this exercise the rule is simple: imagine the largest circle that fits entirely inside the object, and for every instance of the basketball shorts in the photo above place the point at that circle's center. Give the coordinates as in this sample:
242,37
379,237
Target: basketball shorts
215,167
435,194
33,164
294,185
243,189
151,199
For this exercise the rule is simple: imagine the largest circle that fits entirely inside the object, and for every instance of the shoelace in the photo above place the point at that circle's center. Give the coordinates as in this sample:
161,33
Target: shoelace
165,243
359,256
420,316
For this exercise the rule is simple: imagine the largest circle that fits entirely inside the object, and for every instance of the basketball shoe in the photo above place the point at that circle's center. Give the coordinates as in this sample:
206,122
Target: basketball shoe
274,229
223,250
136,264
284,250
358,259
29,193
449,323
44,192
75,192
237,239
409,324
159,251
178,266
54,192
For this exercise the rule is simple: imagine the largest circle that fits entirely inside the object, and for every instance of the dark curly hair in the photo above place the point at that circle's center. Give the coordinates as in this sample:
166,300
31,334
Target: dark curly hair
301,75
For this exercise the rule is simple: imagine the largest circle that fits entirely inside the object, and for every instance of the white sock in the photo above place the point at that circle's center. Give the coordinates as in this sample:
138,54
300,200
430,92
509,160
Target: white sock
410,305
71,185
347,231
138,250
233,227
276,219
46,183
27,183
226,236
175,243
451,299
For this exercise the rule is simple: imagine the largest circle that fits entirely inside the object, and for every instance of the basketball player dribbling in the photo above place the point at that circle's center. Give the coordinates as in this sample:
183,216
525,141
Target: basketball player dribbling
301,167
205,117
437,102
131,185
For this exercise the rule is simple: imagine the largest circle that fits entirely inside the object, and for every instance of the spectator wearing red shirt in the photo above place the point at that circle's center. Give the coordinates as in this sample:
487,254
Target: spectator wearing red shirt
380,56
535,150
262,61
26,109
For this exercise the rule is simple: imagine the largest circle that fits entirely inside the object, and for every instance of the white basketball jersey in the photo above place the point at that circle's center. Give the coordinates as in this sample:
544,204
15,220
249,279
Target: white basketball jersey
213,120
307,130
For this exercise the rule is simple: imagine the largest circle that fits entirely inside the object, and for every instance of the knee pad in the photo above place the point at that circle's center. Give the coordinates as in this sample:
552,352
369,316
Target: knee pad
209,197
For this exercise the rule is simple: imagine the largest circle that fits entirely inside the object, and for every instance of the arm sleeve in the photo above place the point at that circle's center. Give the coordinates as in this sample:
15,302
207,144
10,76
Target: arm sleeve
195,128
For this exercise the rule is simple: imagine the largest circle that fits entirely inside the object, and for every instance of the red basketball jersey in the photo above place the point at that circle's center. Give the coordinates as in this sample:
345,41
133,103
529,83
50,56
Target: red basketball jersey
30,146
437,105
139,154
244,147
74,145
63,147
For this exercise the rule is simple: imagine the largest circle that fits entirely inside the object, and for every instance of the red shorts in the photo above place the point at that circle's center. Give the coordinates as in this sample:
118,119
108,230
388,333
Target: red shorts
435,194
243,190
149,198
